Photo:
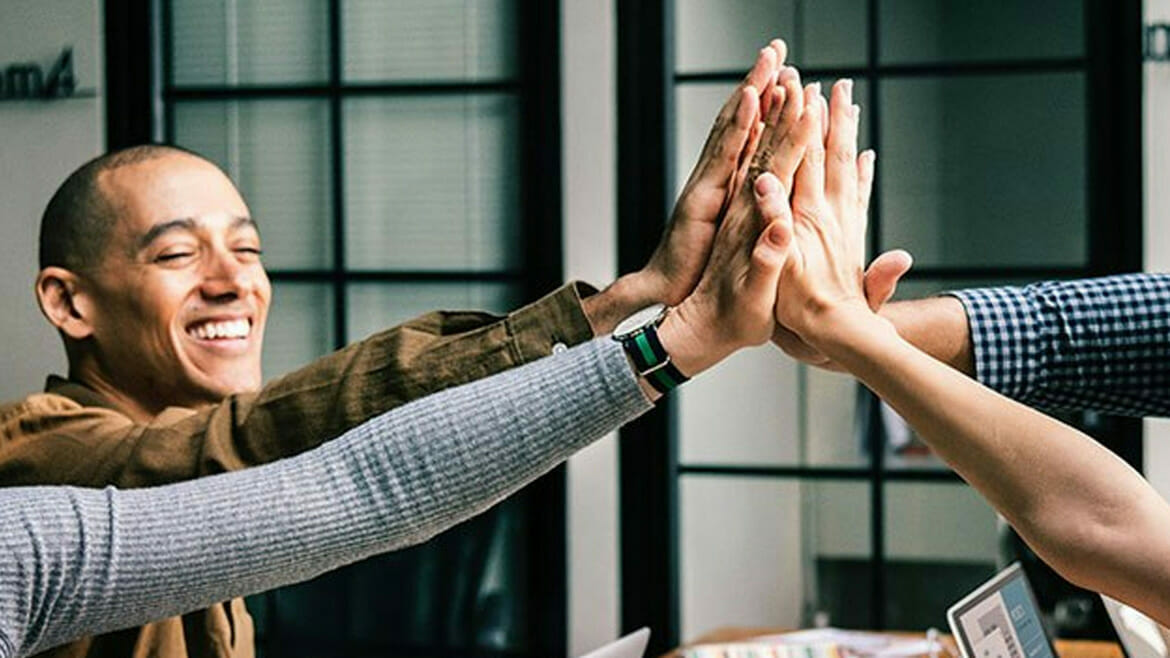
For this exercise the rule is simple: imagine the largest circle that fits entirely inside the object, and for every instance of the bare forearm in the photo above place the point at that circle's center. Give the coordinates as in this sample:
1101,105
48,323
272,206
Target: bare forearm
621,299
937,326
1084,510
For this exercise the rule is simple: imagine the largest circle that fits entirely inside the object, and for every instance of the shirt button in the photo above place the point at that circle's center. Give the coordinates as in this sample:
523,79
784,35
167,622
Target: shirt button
559,347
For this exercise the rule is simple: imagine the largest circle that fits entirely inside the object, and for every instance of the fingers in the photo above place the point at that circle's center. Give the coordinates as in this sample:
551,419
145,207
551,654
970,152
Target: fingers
762,75
883,275
726,142
865,168
772,246
780,150
748,156
758,152
842,164
738,116
824,118
780,48
809,185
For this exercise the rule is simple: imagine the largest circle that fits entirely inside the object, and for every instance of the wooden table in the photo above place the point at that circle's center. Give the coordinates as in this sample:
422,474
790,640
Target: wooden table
1066,648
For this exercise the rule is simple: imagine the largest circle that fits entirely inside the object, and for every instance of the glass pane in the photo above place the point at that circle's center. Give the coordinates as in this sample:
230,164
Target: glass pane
832,431
278,154
697,104
373,307
831,33
920,288
429,40
946,31
941,542
299,327
757,390
432,183
757,521
718,35
230,42
837,551
985,171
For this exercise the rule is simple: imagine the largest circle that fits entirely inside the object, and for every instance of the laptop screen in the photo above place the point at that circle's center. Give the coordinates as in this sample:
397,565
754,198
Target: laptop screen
1000,620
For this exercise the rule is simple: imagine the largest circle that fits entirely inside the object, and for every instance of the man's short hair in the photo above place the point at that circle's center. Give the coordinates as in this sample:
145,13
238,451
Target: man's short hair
76,225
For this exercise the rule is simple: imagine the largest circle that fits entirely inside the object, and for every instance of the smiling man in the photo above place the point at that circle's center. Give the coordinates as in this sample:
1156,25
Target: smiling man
159,292
151,274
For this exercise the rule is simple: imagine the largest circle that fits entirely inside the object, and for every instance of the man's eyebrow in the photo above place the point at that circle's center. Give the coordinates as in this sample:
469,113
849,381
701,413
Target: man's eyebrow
185,223
245,222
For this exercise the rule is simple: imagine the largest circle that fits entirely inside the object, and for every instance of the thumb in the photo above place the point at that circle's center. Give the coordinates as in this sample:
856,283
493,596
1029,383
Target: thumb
772,247
881,279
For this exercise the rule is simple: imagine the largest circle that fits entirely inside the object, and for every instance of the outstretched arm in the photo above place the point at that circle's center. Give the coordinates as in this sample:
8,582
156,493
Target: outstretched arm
79,561
75,561
1081,508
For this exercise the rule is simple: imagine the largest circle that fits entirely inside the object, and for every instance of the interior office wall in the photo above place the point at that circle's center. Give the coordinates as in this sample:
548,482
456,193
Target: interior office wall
40,143
1157,221
588,138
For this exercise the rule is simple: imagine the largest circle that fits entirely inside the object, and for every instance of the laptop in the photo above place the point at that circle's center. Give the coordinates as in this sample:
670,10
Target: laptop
1001,619
1141,636
630,646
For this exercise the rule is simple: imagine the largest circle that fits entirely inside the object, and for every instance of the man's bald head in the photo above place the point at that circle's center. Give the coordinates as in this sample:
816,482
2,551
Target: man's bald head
77,222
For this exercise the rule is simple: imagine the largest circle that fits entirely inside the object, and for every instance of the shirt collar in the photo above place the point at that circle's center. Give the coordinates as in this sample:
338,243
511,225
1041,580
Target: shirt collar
78,392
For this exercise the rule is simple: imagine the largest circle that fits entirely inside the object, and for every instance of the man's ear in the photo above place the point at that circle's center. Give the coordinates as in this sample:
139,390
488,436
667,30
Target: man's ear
63,303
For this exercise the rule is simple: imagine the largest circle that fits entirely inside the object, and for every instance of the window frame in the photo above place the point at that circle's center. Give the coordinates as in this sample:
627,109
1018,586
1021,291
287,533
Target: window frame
140,100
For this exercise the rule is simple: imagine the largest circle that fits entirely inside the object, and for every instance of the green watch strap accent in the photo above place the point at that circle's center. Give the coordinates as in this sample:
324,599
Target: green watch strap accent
666,379
649,359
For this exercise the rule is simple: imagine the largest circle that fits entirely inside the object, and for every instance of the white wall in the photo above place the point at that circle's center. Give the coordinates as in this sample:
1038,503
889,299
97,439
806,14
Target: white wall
1157,222
40,143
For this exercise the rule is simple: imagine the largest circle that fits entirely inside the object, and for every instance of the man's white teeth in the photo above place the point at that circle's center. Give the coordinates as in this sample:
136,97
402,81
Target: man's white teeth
213,330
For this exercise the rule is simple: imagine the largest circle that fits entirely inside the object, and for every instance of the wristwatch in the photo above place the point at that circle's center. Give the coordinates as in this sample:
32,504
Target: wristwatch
638,334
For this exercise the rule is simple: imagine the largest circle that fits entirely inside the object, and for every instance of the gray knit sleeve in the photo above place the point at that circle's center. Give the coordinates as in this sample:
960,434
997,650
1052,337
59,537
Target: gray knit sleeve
84,561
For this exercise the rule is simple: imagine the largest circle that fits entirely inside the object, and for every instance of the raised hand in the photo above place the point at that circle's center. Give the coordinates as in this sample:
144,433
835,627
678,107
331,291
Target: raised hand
884,273
732,304
678,261
881,282
824,271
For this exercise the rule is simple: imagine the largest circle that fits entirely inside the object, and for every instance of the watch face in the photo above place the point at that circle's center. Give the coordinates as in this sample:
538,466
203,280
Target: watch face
638,320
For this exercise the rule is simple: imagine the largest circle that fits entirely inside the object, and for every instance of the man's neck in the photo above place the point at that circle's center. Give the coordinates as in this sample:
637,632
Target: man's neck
141,401
130,405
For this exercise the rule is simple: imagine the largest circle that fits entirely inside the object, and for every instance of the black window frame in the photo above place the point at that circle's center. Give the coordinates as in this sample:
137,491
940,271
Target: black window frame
140,98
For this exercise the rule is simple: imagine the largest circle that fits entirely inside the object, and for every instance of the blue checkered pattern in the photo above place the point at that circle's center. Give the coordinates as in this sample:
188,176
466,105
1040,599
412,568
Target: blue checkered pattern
1097,344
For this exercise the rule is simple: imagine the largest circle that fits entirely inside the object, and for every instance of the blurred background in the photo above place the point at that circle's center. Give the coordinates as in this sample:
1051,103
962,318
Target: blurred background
406,155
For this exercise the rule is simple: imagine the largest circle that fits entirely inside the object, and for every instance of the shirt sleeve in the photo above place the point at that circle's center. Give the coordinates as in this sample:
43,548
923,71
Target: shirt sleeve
52,443
82,561
1095,344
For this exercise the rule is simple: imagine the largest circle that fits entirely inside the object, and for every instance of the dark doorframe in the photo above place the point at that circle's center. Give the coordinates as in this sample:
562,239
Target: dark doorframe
647,478
132,84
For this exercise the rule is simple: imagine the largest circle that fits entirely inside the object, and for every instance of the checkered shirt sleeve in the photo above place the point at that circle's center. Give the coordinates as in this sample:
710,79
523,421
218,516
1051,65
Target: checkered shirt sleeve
1096,344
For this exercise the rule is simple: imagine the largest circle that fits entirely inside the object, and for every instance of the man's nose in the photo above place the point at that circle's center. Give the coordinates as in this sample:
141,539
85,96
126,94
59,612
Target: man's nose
226,276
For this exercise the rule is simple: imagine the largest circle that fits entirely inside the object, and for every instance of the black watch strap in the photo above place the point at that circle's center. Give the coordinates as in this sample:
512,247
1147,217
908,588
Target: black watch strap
651,359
